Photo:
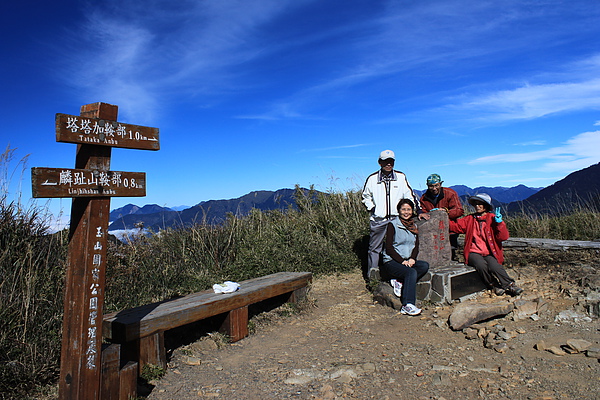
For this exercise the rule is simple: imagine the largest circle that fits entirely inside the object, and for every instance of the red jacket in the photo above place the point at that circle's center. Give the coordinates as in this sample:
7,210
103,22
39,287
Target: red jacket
447,199
495,233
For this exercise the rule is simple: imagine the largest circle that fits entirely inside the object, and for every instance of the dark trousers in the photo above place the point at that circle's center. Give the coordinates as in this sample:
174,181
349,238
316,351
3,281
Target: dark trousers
407,275
490,270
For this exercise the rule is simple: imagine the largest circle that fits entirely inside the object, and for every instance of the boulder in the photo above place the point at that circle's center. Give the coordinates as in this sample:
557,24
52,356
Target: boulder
467,314
384,294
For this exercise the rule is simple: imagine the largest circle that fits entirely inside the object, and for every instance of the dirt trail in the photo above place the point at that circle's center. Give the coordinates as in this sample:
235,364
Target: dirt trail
347,347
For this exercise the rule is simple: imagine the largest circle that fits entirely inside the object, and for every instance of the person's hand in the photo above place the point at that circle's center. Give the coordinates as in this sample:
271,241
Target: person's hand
498,215
424,216
409,262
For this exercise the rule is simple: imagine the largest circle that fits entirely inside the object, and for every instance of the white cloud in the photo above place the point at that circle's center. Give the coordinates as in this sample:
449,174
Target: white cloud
534,101
532,143
578,152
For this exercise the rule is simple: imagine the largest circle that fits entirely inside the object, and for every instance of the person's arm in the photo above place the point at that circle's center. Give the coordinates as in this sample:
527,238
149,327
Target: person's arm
458,226
415,251
367,197
390,233
500,230
455,208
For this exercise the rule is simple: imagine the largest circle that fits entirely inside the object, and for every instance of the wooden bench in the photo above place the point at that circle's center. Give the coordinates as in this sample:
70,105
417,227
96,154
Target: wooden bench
140,330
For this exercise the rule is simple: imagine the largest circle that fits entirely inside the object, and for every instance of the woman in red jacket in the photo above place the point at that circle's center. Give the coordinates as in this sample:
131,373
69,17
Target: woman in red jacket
484,233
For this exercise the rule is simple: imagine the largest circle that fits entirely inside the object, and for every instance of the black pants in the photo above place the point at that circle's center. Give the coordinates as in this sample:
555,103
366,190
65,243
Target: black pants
409,277
490,270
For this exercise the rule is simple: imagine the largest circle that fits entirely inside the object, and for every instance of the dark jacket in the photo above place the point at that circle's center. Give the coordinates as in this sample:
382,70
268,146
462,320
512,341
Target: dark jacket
447,199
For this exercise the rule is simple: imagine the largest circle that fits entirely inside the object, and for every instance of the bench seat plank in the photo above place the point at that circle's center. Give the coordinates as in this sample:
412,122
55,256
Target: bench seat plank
135,323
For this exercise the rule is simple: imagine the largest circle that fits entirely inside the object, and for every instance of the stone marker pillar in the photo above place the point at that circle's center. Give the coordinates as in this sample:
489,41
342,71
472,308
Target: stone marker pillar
434,241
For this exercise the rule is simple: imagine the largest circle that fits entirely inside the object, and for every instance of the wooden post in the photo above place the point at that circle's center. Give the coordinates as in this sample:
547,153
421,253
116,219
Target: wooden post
91,185
85,280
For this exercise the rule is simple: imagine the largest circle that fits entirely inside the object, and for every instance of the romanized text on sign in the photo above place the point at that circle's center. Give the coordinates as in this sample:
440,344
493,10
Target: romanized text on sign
64,182
77,129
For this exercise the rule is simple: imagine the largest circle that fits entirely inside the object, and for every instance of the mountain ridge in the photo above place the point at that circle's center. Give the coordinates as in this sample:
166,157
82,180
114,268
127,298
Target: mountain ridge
156,217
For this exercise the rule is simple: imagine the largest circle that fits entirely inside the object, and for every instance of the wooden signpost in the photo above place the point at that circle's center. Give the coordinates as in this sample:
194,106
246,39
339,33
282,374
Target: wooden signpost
90,184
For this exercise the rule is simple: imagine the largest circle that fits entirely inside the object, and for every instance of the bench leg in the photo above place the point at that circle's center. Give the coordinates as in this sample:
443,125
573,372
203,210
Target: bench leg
128,381
236,324
298,295
152,350
109,377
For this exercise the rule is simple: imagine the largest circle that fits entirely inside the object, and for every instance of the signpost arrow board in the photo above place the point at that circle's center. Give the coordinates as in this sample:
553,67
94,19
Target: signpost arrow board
78,129
64,182
91,184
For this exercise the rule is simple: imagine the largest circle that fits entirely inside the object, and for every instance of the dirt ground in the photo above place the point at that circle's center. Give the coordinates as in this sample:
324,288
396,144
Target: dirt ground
342,345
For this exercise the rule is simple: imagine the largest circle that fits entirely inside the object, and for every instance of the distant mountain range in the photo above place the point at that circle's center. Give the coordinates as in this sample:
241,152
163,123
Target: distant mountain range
500,195
155,217
211,212
580,188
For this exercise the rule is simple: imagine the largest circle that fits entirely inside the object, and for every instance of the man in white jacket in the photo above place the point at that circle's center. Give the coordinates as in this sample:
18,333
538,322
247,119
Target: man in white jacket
381,194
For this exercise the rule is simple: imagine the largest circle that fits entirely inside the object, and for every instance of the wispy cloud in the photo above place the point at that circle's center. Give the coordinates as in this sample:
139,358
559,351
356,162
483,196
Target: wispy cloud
137,52
533,101
532,143
578,152
349,146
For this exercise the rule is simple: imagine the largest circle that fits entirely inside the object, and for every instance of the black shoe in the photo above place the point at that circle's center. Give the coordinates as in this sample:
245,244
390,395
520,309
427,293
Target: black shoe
498,291
514,290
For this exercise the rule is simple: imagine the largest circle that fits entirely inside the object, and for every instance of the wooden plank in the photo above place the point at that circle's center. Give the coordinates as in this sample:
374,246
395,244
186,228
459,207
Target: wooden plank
66,182
128,325
109,389
104,132
550,244
128,381
236,324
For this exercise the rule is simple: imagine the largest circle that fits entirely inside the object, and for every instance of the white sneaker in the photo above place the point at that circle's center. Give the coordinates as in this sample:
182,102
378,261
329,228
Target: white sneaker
410,309
397,286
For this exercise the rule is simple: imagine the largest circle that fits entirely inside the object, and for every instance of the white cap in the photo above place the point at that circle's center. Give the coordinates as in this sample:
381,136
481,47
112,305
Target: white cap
384,155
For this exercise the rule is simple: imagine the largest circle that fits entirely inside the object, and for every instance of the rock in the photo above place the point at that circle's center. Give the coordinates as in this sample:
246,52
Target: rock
571,316
434,241
440,323
556,351
384,294
504,335
524,309
579,345
470,333
541,345
189,360
466,314
593,352
440,379
501,347
483,333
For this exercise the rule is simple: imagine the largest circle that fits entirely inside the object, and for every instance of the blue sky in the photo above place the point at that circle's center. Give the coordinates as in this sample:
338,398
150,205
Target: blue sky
266,94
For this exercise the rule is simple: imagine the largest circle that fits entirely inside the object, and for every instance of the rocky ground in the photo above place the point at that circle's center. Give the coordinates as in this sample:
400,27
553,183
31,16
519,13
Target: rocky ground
340,344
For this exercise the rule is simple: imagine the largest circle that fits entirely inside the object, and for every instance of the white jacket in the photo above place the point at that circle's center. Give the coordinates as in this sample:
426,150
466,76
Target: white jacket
381,197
